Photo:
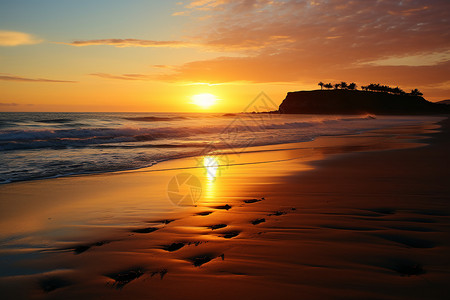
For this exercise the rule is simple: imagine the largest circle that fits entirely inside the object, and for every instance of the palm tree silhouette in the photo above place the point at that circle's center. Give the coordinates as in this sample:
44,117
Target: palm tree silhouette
416,92
398,91
373,87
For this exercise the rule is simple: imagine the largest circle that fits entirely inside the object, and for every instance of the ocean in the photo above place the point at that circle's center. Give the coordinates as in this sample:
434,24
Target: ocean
46,145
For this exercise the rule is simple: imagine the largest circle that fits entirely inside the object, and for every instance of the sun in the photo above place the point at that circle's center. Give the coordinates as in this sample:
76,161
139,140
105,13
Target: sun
204,100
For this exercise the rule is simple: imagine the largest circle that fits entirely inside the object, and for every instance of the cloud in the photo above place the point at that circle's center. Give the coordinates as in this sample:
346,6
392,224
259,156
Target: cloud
293,41
130,43
181,13
408,12
218,45
15,38
13,104
123,76
304,41
429,59
24,79
366,28
163,66
237,6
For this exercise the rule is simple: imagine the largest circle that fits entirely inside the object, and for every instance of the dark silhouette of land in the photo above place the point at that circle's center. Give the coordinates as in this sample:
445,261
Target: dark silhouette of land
444,102
352,101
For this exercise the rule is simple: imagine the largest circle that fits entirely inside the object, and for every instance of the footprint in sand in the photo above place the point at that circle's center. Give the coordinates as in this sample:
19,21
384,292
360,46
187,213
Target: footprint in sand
83,248
49,284
165,222
226,207
145,230
277,213
122,278
173,247
204,213
280,213
202,259
217,226
252,200
197,243
258,221
161,273
231,234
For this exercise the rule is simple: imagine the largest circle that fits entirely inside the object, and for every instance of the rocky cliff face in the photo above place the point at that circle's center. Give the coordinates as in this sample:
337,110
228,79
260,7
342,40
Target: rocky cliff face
357,102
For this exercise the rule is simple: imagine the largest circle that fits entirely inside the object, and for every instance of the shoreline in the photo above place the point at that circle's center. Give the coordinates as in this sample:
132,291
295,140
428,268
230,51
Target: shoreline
47,164
296,210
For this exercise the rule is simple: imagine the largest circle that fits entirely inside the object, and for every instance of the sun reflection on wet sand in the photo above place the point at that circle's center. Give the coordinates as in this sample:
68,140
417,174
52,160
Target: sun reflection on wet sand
211,166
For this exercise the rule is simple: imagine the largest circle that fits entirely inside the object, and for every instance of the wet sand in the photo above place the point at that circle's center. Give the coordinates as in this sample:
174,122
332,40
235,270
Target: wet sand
351,217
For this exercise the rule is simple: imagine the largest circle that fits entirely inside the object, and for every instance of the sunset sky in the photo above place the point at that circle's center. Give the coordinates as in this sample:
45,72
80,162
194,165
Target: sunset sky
142,55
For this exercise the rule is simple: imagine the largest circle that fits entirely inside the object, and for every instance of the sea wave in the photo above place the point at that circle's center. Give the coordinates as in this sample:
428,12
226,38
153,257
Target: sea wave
43,145
83,137
54,121
154,119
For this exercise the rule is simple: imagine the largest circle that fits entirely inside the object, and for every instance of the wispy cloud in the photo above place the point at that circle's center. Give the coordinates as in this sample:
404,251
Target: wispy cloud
429,59
123,76
13,104
295,40
163,66
15,38
9,104
25,79
304,41
408,12
130,43
181,13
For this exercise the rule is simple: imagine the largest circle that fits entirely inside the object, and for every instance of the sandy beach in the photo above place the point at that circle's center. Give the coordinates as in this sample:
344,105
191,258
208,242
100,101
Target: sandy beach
347,217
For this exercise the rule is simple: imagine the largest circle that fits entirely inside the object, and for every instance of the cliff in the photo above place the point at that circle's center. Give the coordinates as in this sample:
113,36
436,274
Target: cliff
357,102
444,102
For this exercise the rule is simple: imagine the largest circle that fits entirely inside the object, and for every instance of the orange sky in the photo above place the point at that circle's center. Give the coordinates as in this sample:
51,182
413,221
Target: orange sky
148,56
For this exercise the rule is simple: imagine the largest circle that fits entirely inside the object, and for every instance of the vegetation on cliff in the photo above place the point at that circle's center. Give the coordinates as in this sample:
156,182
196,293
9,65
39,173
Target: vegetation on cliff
373,87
